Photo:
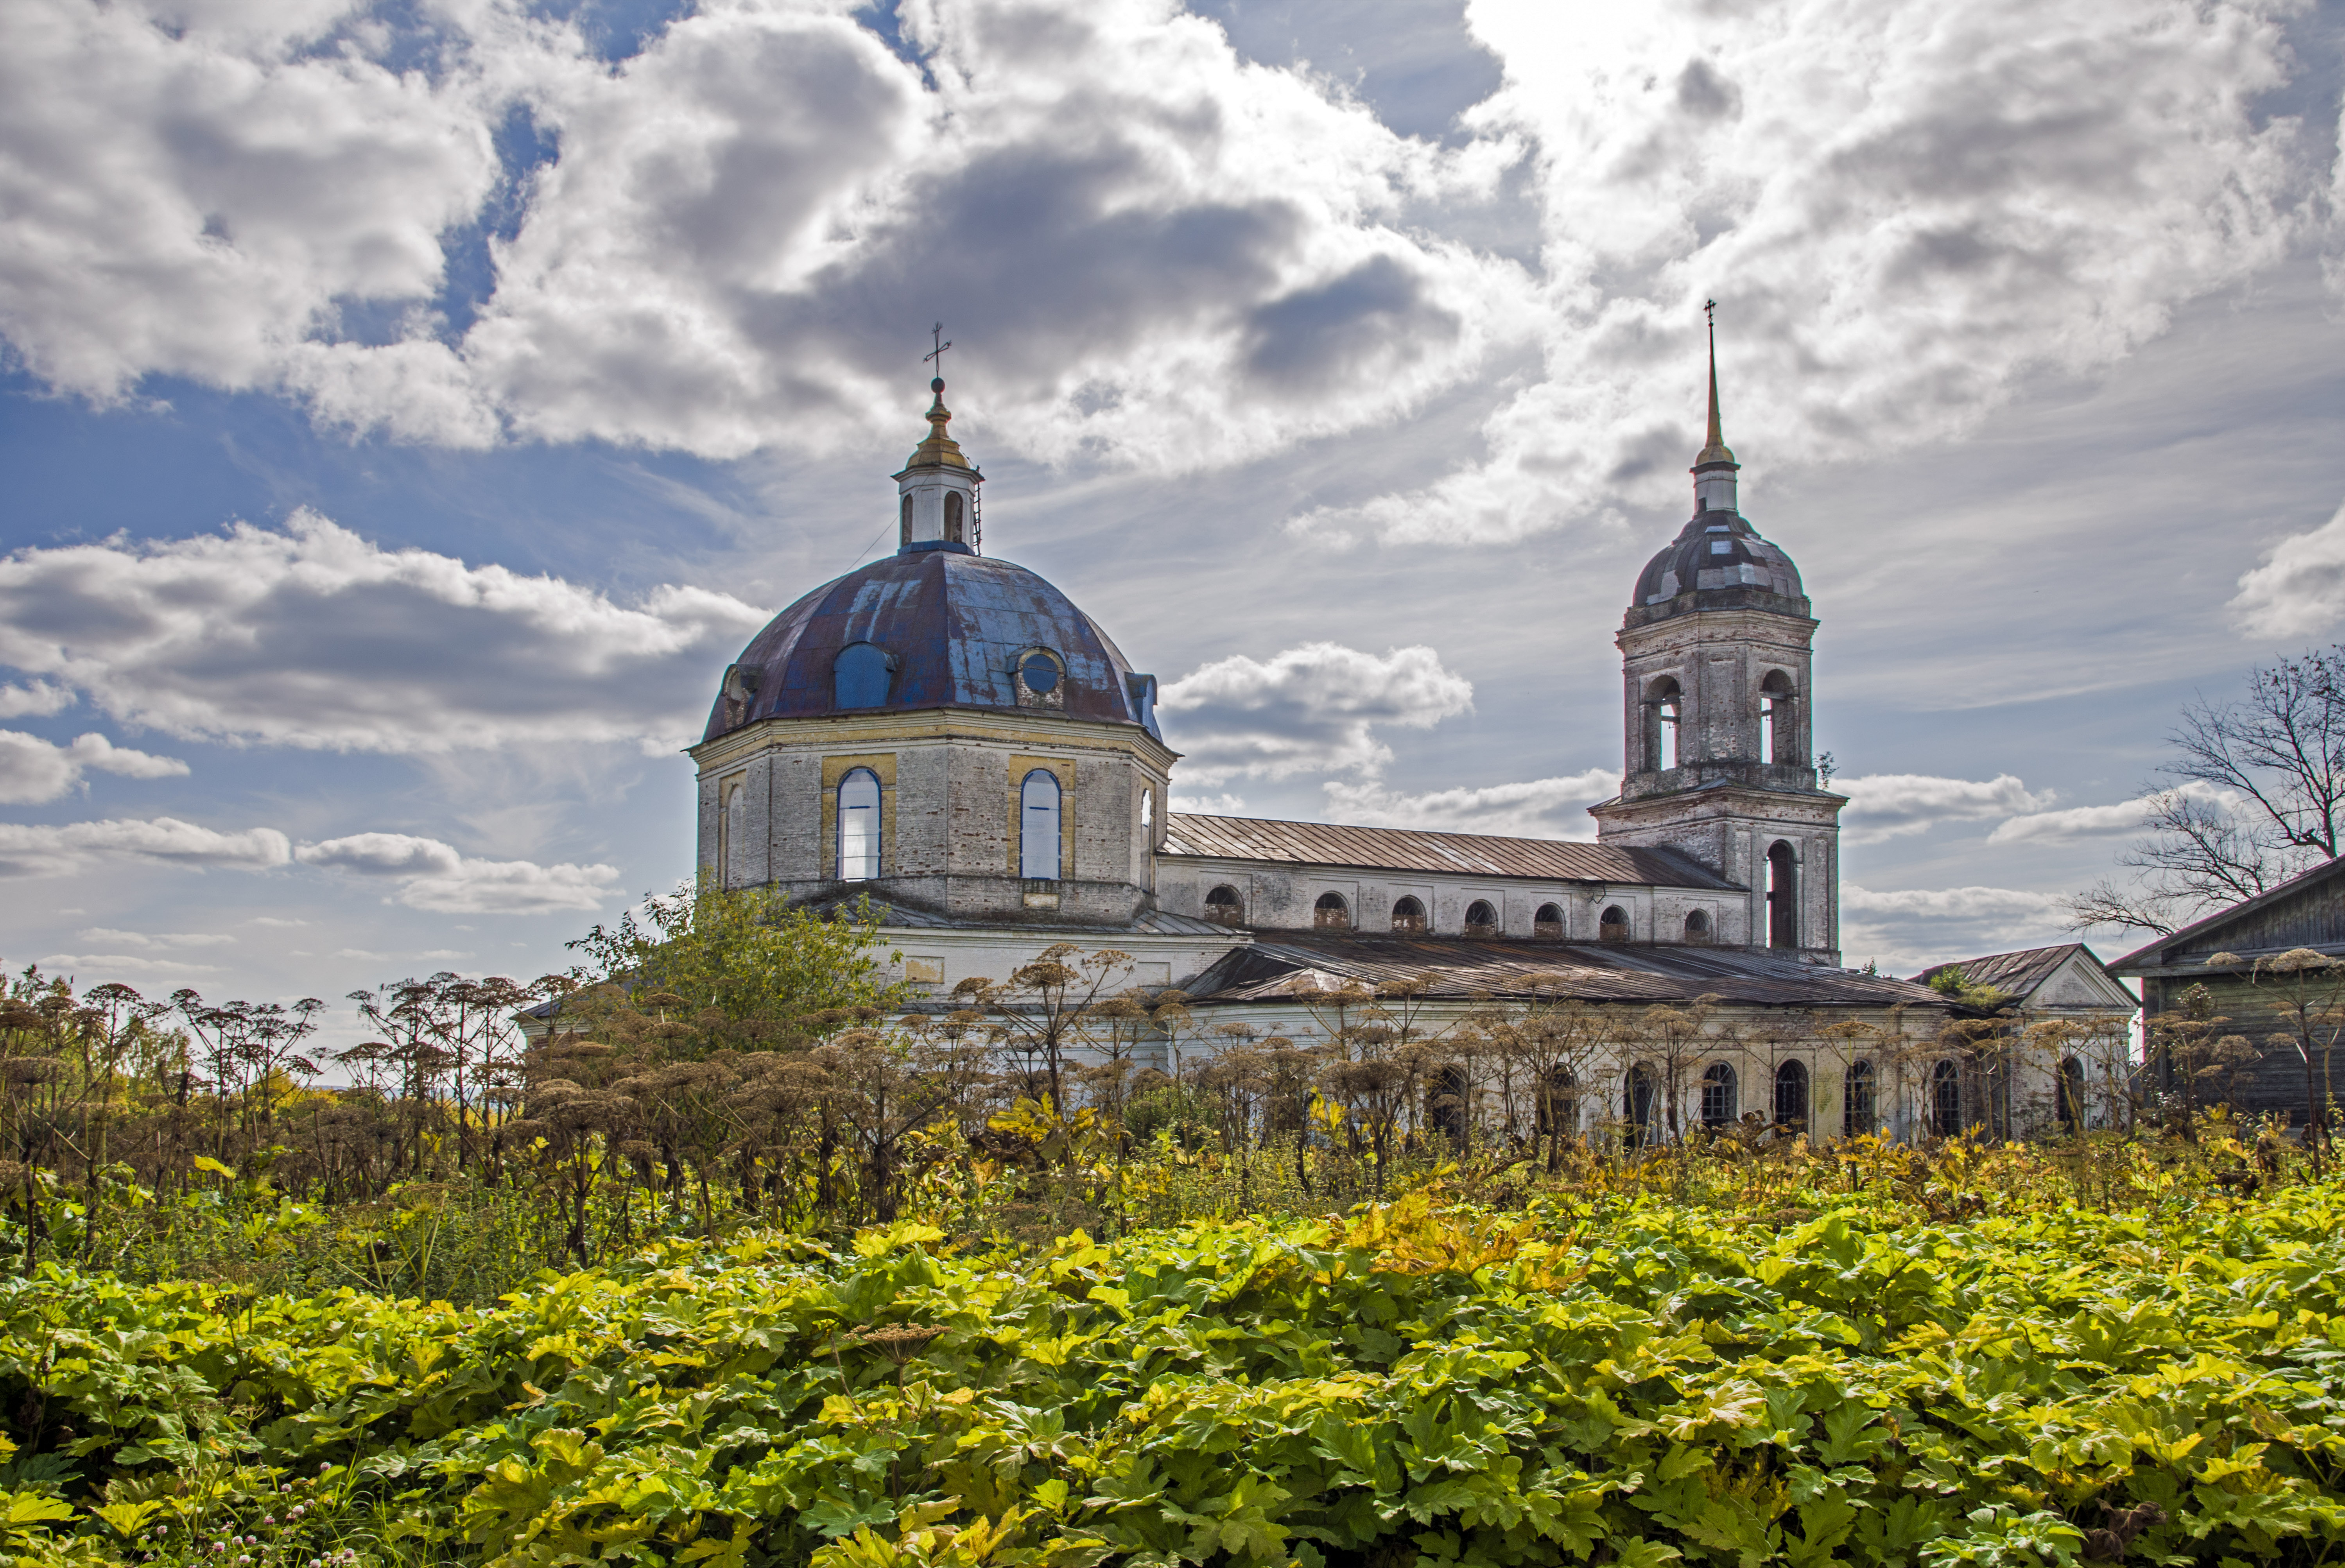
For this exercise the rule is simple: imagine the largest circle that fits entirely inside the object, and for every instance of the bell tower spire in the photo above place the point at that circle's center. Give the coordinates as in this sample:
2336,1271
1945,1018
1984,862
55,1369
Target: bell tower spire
1715,468
936,492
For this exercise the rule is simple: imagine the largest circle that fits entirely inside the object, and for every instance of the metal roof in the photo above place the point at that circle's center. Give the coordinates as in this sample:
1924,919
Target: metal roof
2016,974
1718,560
1413,849
1592,972
2169,950
951,623
1148,923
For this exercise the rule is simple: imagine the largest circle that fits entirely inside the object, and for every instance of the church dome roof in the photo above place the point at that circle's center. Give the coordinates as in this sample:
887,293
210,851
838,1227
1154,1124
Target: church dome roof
1717,562
952,630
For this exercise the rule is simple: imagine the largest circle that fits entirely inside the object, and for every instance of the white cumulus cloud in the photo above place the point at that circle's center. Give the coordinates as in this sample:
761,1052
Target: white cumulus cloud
1892,806
49,849
37,699
1313,708
32,770
314,637
1907,930
2117,821
1904,210
89,968
1534,808
435,876
149,939
2299,590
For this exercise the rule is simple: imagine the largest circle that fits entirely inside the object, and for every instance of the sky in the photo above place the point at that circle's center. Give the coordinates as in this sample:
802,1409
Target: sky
410,409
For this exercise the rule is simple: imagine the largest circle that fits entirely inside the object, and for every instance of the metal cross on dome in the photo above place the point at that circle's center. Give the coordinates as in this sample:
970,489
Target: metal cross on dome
1708,309
937,334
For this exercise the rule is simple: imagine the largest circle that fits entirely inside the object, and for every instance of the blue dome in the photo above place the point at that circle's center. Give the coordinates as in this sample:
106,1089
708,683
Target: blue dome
1717,562
931,626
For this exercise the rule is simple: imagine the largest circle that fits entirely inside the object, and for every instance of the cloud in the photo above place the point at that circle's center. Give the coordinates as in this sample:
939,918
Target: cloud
1909,929
1906,211
1210,805
435,877
2124,818
2299,590
37,700
1313,708
1537,808
1173,255
32,770
273,923
49,849
156,939
1892,806
112,965
315,637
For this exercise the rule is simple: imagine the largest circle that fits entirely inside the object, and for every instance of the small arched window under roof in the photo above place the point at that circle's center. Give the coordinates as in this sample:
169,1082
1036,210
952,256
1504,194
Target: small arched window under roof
861,675
1549,922
1614,927
1407,915
1331,912
1697,927
1481,919
1224,908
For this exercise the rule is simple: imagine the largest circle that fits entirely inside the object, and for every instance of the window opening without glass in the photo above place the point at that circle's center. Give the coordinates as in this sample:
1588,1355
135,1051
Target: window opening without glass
1946,1100
1481,919
1038,826
1408,915
1549,922
1223,907
1697,927
1782,896
1614,927
1331,912
1792,1093
858,826
1856,1115
1719,1107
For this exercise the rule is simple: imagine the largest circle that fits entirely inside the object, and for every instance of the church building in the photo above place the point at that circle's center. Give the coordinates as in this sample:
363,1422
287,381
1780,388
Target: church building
944,732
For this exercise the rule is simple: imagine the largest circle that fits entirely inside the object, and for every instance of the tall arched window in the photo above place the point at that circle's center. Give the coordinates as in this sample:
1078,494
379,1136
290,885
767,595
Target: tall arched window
1778,738
1856,1114
1614,925
1224,908
1451,1103
1640,1107
2072,1095
858,826
954,529
860,676
1664,717
1331,912
904,522
1792,1093
1720,1102
1946,1100
1038,826
1147,811
732,836
1557,1111
1782,896
1549,922
1408,915
1481,919
1697,927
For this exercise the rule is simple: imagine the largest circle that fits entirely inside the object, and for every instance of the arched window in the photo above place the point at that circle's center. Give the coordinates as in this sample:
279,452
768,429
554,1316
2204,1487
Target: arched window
1642,1108
1557,1111
1614,927
1038,826
1408,915
1792,1093
1331,912
860,676
954,531
1720,1103
2072,1095
1224,908
858,826
1451,1102
1697,927
1664,717
732,836
1778,738
904,523
1481,919
1856,1114
1782,896
1547,923
1946,1100
1147,809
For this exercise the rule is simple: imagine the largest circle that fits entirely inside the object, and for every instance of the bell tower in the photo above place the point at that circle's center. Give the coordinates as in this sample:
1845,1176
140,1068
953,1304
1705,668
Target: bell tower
1717,665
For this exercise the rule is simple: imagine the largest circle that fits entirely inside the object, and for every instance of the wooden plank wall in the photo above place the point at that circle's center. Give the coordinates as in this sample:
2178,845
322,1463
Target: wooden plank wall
2277,1082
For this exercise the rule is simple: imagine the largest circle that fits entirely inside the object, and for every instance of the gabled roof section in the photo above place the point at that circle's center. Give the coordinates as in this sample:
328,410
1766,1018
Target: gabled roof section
1463,969
2020,974
1441,854
2308,910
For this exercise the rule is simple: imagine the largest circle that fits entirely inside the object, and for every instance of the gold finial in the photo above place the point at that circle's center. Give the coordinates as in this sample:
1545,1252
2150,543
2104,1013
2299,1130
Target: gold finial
940,451
1713,449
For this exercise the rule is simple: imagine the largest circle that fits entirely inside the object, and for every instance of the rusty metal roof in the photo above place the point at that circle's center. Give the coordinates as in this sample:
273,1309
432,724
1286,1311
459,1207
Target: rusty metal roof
2016,974
951,624
1270,970
1412,849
